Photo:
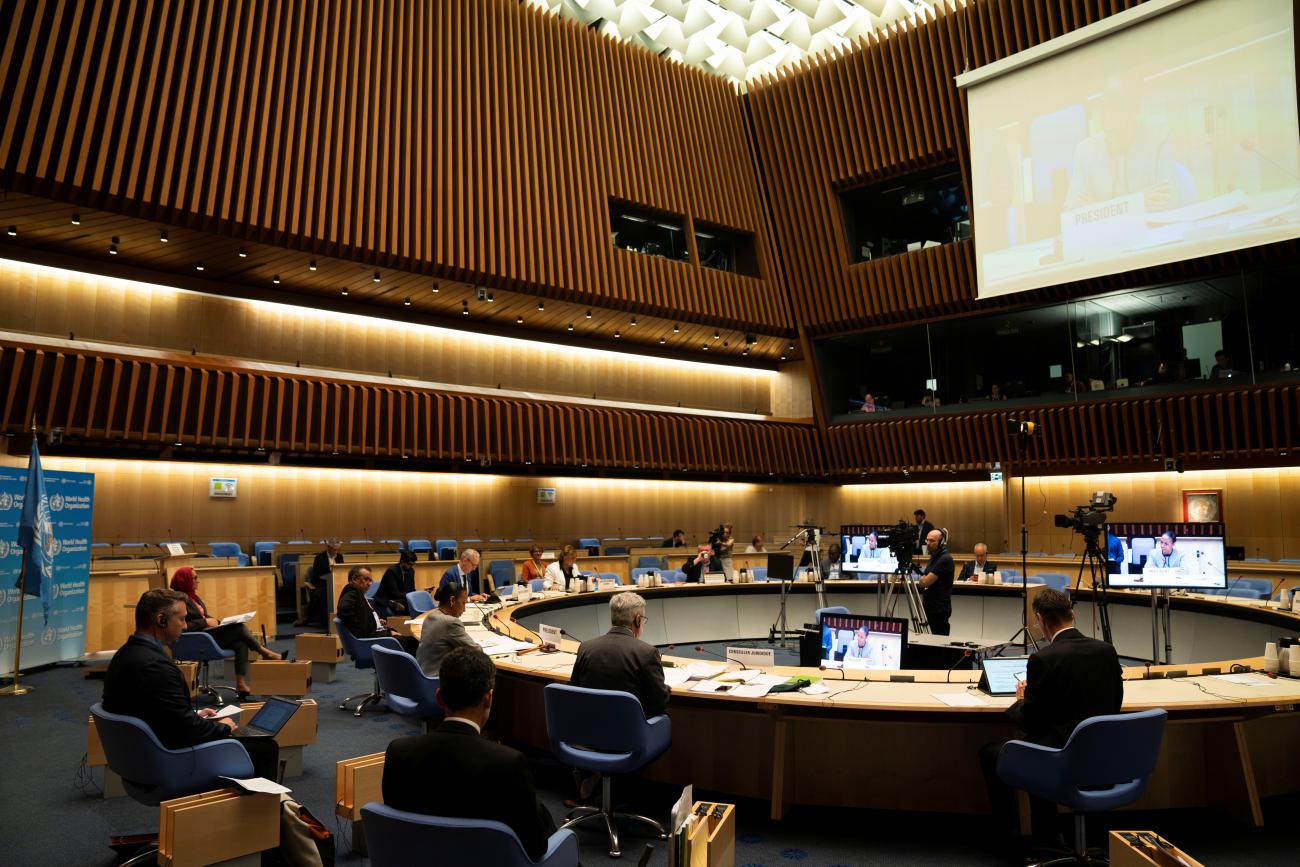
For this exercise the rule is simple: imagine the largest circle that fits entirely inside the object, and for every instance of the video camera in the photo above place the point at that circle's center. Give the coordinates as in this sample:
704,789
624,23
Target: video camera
1088,519
901,540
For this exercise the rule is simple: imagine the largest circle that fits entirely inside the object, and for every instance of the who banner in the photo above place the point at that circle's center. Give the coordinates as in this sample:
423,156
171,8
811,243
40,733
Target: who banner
63,638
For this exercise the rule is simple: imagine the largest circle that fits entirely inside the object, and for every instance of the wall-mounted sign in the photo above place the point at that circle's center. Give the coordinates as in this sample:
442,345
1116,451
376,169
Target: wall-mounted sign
222,488
546,496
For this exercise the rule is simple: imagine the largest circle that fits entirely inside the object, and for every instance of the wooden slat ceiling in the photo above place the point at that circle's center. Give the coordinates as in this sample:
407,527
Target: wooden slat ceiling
46,232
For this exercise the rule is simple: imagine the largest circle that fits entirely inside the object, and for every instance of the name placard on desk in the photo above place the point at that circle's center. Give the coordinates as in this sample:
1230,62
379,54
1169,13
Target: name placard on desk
754,657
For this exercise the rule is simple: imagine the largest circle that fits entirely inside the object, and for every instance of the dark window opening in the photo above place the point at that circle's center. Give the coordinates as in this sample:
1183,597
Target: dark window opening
726,249
642,230
904,214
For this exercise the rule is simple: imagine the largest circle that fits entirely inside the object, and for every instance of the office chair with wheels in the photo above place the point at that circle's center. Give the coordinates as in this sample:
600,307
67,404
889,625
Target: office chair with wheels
362,657
407,689
604,731
393,835
1104,765
151,773
202,648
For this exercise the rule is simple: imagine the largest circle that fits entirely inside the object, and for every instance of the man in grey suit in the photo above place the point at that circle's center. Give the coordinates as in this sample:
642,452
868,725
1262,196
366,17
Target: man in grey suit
441,632
620,660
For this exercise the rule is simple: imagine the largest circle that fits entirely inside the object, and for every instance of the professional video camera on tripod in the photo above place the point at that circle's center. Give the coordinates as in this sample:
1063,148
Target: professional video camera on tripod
901,539
1089,521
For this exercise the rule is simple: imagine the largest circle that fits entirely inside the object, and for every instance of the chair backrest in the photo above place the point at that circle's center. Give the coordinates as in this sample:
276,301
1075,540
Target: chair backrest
262,552
502,572
1140,548
419,601
616,551
536,585
199,646
1291,560
676,576
591,543
150,772
446,549
1261,585
1055,580
649,561
604,720
360,648
419,546
639,571
1244,593
393,835
830,609
408,689
1034,579
372,589
759,573
609,576
1116,748
1247,560
229,549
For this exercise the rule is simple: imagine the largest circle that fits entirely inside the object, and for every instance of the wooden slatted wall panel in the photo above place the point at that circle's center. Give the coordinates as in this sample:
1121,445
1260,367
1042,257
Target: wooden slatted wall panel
474,139
1237,426
889,108
119,399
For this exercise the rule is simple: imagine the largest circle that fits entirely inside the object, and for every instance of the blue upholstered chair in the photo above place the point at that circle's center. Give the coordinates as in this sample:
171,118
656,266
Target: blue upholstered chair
646,570
360,649
676,576
649,561
419,601
151,773
393,835
1104,765
604,731
1263,587
592,544
1240,593
1289,560
616,551
202,648
536,585
609,576
1055,580
407,689
1034,579
1247,560
830,609
262,552
502,573
445,548
759,573
419,546
229,549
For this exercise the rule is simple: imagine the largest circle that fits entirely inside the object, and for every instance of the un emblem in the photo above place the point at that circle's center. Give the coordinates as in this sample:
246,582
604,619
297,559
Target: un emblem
56,503
6,501
47,637
54,547
4,548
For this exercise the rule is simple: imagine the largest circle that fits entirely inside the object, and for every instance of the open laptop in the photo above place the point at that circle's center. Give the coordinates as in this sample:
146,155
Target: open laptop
268,721
1002,673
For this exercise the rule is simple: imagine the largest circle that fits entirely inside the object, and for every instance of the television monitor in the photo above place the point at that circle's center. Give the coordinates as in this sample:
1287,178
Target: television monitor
854,641
866,553
1162,558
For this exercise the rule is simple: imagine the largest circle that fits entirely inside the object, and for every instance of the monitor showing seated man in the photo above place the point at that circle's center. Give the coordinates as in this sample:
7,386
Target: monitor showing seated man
866,553
855,641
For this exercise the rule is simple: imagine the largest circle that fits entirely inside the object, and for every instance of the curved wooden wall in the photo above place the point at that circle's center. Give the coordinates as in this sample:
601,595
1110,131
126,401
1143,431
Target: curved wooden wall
1225,428
473,139
887,109
117,399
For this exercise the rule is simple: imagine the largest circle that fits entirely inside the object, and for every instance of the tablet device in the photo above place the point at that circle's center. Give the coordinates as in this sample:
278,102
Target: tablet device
1000,674
268,721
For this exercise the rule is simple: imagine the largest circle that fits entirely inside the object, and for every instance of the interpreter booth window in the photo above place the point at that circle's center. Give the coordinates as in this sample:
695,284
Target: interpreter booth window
1206,334
651,232
904,214
726,249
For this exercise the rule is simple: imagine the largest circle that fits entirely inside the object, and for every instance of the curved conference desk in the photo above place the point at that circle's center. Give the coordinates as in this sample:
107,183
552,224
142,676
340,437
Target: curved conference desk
874,743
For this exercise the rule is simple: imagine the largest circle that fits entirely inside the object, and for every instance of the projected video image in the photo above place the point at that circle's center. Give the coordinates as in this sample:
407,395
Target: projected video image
852,641
1171,139
1167,560
866,553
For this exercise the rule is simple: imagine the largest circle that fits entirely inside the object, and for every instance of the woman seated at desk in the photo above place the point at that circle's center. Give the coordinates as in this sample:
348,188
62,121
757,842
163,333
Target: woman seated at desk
534,566
564,572
232,636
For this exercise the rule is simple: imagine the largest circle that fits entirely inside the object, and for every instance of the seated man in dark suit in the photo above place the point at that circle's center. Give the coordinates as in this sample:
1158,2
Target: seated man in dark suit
696,566
143,682
356,613
398,580
973,570
620,660
465,573
453,772
1070,679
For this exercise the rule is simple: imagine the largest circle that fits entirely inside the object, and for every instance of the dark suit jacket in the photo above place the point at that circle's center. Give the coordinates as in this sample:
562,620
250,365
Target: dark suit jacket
926,527
970,566
195,619
455,773
321,565
393,588
469,582
357,615
620,660
1069,680
142,681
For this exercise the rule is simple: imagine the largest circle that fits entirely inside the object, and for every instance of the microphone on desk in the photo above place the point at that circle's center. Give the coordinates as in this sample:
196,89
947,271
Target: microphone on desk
699,648
840,670
965,655
569,634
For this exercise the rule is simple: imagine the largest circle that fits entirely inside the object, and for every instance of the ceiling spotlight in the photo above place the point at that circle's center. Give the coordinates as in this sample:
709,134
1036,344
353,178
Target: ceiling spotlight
745,351
783,358
12,231
243,254
790,347
376,277
311,266
617,334
112,247
570,326
541,305
276,279
663,340
162,236
344,292
676,328
705,347
406,302
519,320
634,320
491,298
434,288
464,308
198,266
588,314
717,335
76,219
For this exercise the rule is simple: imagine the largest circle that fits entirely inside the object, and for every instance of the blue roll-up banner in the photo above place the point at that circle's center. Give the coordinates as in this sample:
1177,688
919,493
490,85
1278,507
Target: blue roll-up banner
63,636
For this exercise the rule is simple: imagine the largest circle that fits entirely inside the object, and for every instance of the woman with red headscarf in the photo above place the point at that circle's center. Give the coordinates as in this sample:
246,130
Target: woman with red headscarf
232,636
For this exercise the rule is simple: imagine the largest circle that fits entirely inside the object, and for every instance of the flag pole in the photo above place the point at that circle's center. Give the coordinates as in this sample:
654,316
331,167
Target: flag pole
16,688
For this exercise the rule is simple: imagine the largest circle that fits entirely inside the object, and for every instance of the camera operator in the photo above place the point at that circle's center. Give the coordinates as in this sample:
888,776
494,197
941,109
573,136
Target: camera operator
936,584
724,545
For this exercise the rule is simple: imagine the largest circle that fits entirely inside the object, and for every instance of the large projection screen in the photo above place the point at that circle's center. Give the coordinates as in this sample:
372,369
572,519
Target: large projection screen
1125,145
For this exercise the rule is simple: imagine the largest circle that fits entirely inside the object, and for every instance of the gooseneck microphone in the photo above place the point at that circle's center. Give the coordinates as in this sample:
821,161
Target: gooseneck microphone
699,648
965,655
569,634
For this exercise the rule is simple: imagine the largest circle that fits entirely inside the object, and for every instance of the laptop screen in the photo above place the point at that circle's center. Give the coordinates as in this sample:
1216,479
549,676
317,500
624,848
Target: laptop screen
273,715
1002,673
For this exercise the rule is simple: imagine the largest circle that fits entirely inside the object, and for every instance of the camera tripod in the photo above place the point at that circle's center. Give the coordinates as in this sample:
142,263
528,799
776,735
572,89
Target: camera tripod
1094,561
887,592
812,537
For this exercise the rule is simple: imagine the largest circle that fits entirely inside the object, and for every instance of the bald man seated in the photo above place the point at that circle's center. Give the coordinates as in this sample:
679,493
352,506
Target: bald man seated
973,569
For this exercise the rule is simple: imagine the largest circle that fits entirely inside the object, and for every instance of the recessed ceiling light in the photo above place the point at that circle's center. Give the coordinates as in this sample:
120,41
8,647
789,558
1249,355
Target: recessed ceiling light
634,320
376,277
243,254
343,292
717,335
790,347
541,305
616,334
676,328
406,302
588,314
76,219
783,358
311,266
198,266
112,247
663,340
491,298
705,347
12,231
434,288
276,279
162,236
570,326
519,320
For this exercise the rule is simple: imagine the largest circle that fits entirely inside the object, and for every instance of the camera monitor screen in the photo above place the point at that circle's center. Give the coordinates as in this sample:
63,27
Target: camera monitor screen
866,553
854,641
1162,558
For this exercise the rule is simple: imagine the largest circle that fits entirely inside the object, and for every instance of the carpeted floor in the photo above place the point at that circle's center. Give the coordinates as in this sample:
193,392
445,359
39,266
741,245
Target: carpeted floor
54,815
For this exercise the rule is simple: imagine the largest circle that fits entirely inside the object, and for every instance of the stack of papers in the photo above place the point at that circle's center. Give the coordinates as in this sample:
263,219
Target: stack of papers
703,670
675,676
238,618
260,785
500,645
